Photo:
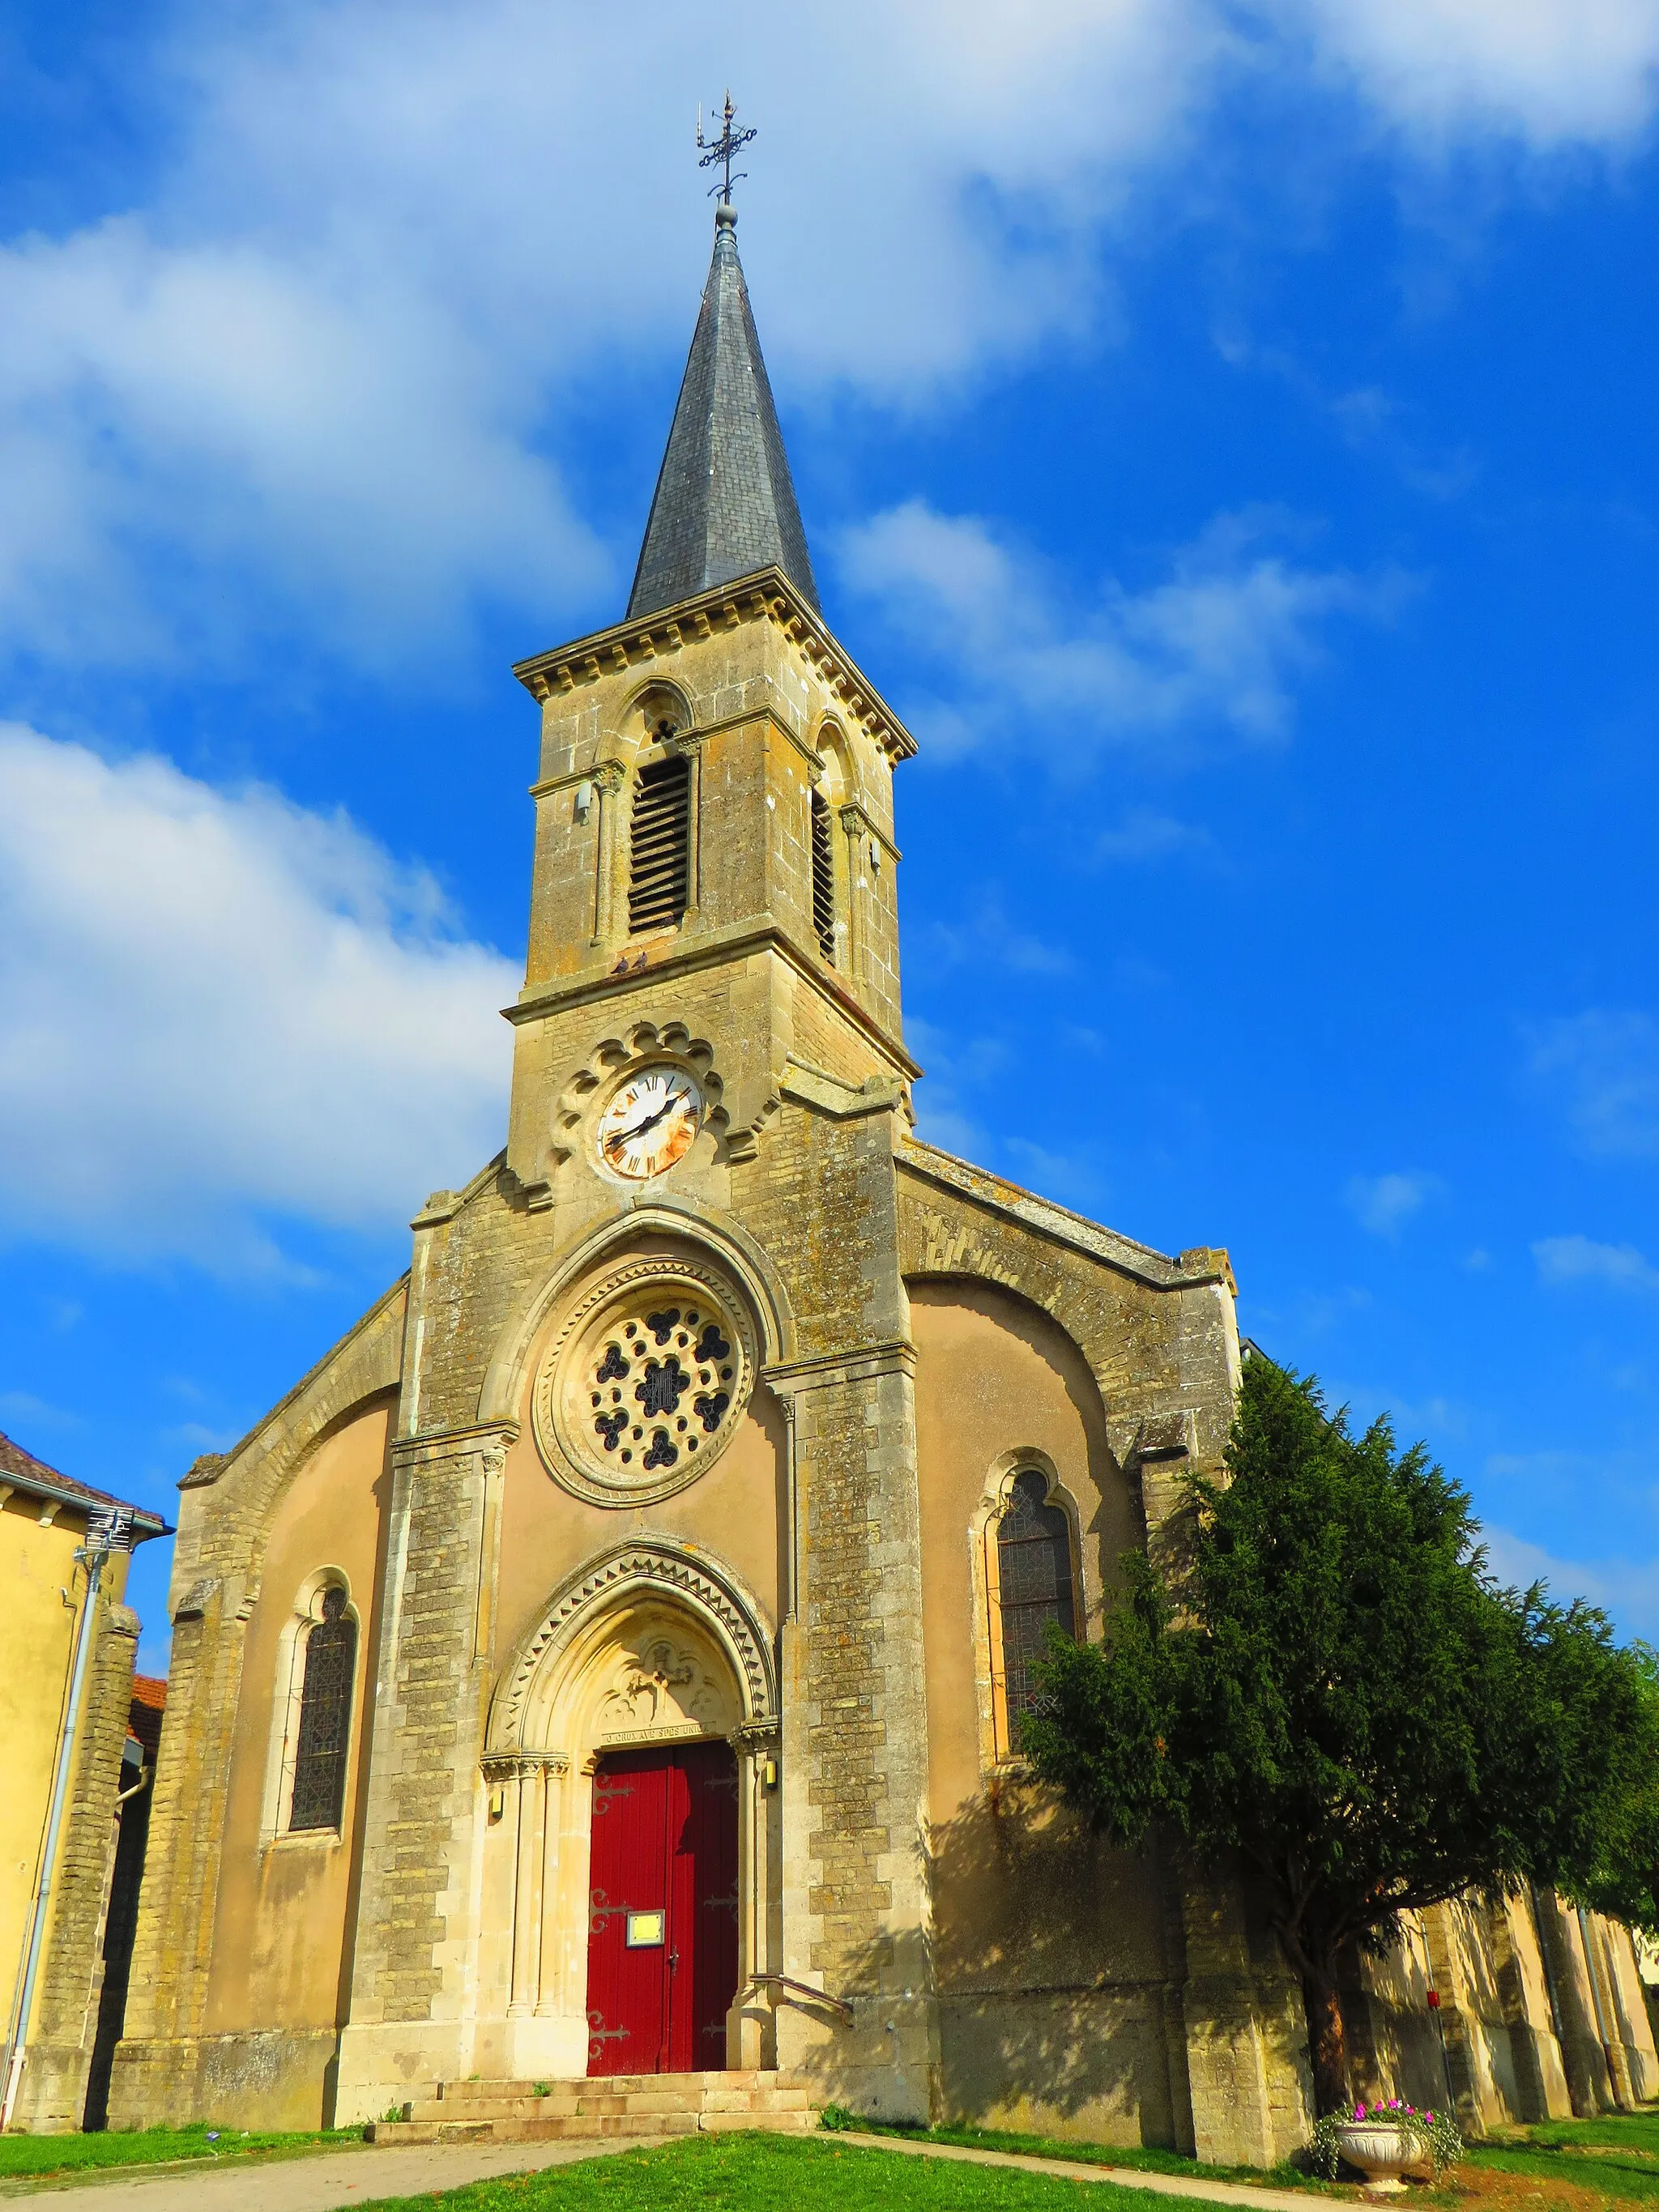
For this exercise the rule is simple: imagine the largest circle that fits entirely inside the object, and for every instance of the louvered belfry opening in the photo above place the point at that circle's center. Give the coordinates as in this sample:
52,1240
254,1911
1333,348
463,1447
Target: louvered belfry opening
319,1765
823,879
1033,1574
659,859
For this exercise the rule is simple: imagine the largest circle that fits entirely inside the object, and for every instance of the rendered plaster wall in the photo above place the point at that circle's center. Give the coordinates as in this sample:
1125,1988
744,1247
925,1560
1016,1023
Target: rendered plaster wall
1049,1947
285,1901
37,1637
734,1510
169,2067
1158,1341
63,2021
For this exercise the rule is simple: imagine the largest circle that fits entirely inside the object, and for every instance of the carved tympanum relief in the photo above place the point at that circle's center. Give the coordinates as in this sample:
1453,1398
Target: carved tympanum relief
663,1688
644,1385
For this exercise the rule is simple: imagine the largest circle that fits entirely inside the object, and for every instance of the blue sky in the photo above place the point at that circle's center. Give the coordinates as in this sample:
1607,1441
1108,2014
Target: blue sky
1227,435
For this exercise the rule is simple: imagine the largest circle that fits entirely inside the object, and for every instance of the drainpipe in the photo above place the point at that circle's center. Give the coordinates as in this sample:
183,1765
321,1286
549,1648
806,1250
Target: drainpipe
106,1533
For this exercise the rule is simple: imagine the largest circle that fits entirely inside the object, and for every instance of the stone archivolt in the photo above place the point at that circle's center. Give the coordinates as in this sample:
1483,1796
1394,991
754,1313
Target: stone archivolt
710,1593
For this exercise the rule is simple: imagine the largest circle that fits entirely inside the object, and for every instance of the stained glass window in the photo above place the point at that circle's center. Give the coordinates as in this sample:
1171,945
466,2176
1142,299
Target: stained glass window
1034,1579
319,1763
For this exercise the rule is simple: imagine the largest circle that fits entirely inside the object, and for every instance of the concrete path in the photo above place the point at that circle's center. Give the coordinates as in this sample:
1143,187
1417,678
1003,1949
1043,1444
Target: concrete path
1121,2177
330,2179
317,2181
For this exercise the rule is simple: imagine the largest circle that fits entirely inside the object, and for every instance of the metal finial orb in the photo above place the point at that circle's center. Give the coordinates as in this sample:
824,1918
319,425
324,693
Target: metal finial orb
726,217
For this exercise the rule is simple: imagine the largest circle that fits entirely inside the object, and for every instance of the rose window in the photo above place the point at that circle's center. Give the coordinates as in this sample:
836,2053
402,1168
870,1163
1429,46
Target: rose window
647,1382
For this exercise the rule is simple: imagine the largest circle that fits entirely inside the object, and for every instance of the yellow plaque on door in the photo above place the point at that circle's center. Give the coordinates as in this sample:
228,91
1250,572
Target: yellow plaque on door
644,1928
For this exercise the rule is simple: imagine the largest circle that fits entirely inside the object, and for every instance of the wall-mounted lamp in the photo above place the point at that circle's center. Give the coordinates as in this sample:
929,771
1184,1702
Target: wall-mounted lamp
583,806
497,1804
770,1775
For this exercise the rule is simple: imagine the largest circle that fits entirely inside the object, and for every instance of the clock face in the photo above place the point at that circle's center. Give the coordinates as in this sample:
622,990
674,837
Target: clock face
650,1123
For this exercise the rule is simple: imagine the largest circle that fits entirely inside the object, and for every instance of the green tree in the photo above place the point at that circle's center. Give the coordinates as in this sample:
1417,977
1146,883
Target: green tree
1624,1880
1330,1688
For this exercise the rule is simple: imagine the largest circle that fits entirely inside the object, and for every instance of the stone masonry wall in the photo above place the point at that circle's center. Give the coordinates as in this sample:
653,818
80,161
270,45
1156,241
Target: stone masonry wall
52,2093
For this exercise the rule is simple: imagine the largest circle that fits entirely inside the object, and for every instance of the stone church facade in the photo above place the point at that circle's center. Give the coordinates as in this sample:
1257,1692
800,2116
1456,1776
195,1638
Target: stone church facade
606,1660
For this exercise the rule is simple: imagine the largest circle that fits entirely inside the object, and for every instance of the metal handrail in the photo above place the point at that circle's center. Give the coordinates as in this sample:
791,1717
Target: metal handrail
804,1989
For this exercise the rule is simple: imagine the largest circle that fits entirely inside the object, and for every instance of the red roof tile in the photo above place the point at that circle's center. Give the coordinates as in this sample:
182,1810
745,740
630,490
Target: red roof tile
150,1697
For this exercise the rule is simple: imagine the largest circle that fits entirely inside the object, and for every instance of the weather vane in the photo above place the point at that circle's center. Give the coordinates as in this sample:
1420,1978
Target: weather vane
721,150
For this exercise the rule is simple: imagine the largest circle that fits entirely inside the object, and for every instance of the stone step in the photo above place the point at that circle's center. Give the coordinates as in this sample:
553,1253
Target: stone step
562,2104
621,2084
591,2107
591,2127
560,2127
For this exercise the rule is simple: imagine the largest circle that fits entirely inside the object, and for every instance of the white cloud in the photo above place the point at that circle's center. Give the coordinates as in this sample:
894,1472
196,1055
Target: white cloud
1541,73
1144,834
1602,1067
318,368
216,1007
1383,1204
268,427
1217,643
1579,1259
1626,1588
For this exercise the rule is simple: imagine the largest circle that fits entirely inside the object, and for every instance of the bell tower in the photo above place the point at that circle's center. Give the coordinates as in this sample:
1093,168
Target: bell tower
715,785
709,1055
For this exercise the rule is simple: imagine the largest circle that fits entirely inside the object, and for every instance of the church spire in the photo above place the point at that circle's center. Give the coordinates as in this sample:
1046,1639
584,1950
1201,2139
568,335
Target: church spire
724,504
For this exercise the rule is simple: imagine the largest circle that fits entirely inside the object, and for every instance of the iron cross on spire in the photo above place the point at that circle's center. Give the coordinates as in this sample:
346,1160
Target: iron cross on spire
721,150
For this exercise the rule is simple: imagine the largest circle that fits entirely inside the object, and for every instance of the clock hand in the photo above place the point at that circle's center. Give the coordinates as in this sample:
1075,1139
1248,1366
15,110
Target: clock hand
627,1136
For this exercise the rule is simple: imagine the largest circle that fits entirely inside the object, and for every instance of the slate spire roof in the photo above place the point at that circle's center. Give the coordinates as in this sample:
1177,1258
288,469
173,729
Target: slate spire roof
724,504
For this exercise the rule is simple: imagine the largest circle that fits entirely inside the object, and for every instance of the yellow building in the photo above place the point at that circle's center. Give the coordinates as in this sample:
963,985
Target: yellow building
607,1660
44,1525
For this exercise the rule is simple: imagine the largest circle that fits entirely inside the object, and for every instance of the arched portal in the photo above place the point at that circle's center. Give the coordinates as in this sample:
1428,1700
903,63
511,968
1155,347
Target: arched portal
630,1798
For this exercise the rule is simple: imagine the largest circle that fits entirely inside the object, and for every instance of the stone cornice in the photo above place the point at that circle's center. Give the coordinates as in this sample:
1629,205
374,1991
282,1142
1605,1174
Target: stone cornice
611,774
454,1444
1203,1264
768,595
717,948
820,1372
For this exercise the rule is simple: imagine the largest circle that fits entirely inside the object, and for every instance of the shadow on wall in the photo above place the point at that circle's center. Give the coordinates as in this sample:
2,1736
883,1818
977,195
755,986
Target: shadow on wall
1059,2008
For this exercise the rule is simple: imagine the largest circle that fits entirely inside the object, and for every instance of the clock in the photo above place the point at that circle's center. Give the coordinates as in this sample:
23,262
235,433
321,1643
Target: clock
650,1123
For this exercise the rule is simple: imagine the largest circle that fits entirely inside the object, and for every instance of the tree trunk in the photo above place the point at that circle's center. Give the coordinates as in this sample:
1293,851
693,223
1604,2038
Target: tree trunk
1328,2040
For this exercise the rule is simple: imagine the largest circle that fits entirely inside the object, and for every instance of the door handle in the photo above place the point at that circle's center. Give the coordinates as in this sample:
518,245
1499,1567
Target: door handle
673,1962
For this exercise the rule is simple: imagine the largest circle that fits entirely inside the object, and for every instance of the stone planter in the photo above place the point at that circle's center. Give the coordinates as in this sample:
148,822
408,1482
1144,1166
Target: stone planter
1382,2152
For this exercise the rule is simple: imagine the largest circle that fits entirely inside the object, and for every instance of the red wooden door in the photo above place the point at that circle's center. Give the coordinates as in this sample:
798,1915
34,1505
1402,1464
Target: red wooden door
662,1941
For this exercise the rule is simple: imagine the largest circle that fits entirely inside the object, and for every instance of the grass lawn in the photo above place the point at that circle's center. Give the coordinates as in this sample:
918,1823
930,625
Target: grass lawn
1092,2153
23,2155
780,2174
1576,2163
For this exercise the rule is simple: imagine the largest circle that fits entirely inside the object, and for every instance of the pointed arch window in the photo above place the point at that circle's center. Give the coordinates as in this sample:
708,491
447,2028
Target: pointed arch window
318,1796
659,846
823,877
1034,1585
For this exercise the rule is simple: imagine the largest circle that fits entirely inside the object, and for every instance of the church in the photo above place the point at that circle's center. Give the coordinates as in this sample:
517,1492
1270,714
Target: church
608,1660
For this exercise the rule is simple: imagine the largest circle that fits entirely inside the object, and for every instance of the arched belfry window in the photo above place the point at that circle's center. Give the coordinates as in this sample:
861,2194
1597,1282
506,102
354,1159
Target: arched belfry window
318,1796
1033,1591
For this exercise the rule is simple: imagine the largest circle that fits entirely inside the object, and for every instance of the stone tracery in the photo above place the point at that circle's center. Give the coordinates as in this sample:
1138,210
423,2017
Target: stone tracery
646,1382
